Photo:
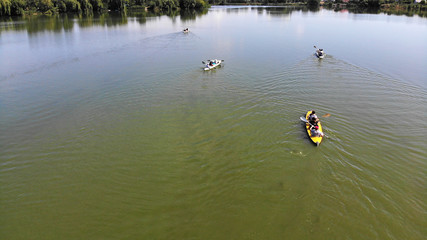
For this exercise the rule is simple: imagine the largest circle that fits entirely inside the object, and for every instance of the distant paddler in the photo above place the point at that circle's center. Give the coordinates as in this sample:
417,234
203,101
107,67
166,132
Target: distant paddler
211,64
319,52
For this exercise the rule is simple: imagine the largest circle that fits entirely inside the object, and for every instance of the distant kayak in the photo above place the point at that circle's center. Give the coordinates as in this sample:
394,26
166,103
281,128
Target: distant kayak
320,53
211,64
185,30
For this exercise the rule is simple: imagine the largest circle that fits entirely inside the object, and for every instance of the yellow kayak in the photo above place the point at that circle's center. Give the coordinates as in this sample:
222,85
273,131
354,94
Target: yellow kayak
316,140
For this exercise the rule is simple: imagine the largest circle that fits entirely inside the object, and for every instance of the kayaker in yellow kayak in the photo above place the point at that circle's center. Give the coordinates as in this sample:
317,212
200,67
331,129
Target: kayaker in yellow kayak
313,127
315,132
312,118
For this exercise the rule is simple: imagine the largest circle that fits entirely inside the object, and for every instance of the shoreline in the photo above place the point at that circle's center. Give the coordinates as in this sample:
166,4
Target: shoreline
389,8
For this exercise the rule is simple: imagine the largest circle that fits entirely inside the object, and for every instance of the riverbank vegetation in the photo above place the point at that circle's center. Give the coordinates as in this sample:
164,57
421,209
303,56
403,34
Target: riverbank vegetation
396,7
30,7
21,7
34,24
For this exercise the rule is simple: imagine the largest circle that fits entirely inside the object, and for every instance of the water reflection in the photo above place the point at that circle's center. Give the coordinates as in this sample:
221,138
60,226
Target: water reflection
192,14
407,11
238,9
279,11
65,22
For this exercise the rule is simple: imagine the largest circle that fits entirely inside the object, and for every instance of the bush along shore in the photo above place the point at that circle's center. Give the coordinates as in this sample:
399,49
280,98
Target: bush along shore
408,8
49,7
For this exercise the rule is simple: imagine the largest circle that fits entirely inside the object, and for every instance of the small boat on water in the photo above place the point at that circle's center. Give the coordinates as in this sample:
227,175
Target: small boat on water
319,52
211,64
185,30
308,126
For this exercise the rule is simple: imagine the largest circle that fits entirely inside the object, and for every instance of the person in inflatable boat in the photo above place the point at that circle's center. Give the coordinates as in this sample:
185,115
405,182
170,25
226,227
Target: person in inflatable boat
315,132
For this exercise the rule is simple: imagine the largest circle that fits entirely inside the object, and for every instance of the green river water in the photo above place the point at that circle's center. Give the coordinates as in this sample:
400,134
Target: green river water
110,128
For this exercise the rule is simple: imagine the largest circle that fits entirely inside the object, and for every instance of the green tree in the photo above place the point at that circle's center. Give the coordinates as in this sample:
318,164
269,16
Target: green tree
18,7
44,5
374,3
97,5
5,7
313,3
85,5
72,6
192,4
117,4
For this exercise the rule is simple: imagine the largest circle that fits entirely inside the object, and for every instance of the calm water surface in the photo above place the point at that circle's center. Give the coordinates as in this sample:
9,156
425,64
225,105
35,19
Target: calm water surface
110,129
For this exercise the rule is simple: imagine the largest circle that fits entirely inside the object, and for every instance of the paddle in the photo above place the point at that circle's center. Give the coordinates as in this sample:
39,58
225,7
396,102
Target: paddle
326,115
306,121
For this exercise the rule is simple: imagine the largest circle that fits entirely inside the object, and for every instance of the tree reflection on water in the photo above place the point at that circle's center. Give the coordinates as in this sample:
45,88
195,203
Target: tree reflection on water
65,22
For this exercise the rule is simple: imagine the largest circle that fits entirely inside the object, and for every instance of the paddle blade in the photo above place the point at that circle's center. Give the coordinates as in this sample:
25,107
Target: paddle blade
326,115
303,119
203,62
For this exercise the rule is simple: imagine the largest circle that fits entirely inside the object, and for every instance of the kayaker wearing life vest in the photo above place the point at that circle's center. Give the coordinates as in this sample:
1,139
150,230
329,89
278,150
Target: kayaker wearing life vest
315,132
312,118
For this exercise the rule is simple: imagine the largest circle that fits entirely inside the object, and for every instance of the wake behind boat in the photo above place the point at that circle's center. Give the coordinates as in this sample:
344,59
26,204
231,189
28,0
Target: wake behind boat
211,64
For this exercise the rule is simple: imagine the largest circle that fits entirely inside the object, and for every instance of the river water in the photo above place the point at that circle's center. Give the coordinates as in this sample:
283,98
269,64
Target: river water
110,128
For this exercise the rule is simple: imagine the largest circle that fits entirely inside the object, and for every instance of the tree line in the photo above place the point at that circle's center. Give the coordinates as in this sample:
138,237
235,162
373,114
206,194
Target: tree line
20,7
